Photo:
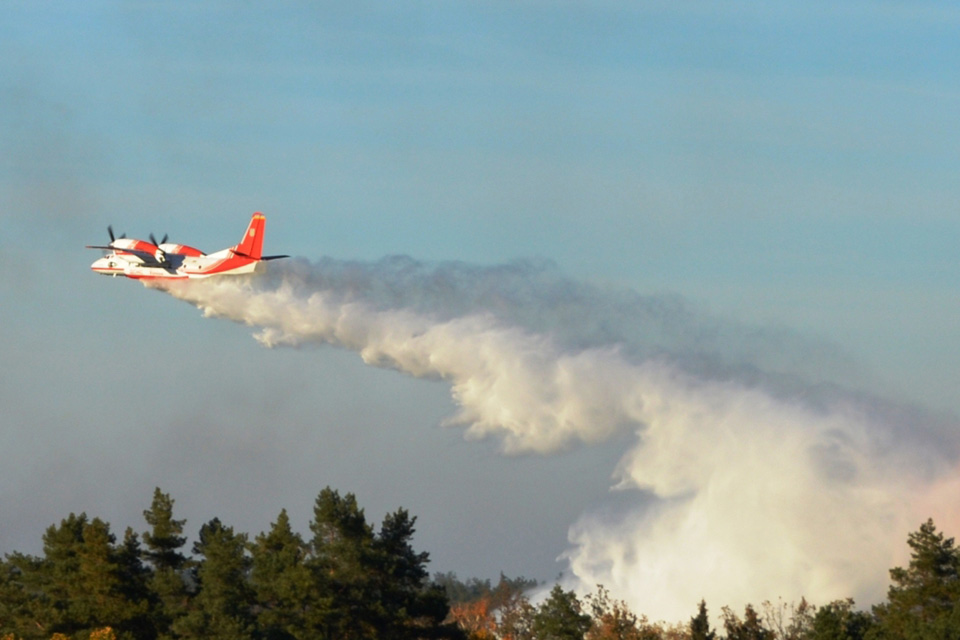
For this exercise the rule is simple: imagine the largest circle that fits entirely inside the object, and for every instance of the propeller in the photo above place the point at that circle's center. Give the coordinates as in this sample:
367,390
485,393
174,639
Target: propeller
113,238
160,255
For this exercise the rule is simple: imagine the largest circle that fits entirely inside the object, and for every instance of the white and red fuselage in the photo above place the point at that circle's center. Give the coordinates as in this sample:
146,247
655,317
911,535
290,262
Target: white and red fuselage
140,259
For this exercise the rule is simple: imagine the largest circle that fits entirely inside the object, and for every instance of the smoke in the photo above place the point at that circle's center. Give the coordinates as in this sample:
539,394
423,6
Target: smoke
768,478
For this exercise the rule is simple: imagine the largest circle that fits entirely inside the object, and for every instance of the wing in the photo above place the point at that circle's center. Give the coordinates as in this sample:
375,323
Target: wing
148,259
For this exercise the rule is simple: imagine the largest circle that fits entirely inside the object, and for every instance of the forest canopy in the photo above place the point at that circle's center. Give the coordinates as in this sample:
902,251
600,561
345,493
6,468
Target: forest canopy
347,579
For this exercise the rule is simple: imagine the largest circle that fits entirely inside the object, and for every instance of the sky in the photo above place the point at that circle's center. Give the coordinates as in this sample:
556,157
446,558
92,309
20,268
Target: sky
771,186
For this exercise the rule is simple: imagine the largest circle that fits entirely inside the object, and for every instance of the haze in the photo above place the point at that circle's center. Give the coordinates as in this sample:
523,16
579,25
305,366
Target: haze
782,180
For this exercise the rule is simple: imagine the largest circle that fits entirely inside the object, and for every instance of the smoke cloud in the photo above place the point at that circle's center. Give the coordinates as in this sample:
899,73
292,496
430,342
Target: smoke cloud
756,474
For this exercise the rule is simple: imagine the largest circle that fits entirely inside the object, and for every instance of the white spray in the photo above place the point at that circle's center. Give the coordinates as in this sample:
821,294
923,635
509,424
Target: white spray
766,484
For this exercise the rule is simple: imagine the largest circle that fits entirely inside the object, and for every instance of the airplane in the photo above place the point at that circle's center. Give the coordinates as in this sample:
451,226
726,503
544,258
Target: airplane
142,260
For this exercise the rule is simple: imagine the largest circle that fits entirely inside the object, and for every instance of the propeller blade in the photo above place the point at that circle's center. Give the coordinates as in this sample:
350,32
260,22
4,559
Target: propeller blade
165,236
154,240
110,231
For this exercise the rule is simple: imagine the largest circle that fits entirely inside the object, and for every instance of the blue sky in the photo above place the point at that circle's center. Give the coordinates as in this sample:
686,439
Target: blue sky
781,164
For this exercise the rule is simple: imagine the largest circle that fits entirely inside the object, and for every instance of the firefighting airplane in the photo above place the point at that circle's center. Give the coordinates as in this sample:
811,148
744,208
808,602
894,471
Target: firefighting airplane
140,260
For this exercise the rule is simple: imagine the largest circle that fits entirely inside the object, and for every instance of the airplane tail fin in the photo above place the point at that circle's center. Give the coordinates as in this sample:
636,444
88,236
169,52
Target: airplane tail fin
252,244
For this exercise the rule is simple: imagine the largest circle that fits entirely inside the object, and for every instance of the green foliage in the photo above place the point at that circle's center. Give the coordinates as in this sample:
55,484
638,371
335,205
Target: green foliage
346,582
924,599
223,605
700,624
84,581
282,582
840,621
374,585
341,549
400,578
165,539
461,590
349,581
474,589
20,605
163,553
561,617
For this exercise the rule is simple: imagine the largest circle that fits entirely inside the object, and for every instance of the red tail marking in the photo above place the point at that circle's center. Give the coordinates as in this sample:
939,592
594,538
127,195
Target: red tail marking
252,244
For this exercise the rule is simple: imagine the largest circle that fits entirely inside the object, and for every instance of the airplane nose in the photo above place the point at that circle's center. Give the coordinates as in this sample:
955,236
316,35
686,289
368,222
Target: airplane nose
106,267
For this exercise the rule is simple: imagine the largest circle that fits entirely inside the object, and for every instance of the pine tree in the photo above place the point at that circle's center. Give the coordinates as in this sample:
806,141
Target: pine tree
407,605
700,624
340,554
281,580
134,588
56,575
347,582
83,582
222,608
21,612
924,599
560,617
163,543
839,620
165,538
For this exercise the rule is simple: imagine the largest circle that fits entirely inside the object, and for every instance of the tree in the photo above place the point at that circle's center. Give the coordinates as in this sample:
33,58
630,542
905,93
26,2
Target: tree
750,628
21,610
560,617
347,582
56,576
132,584
281,580
789,621
101,585
475,619
224,602
516,616
459,591
163,543
165,538
925,596
84,581
612,619
400,571
373,585
840,621
700,624
340,548
409,606
485,612
474,588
